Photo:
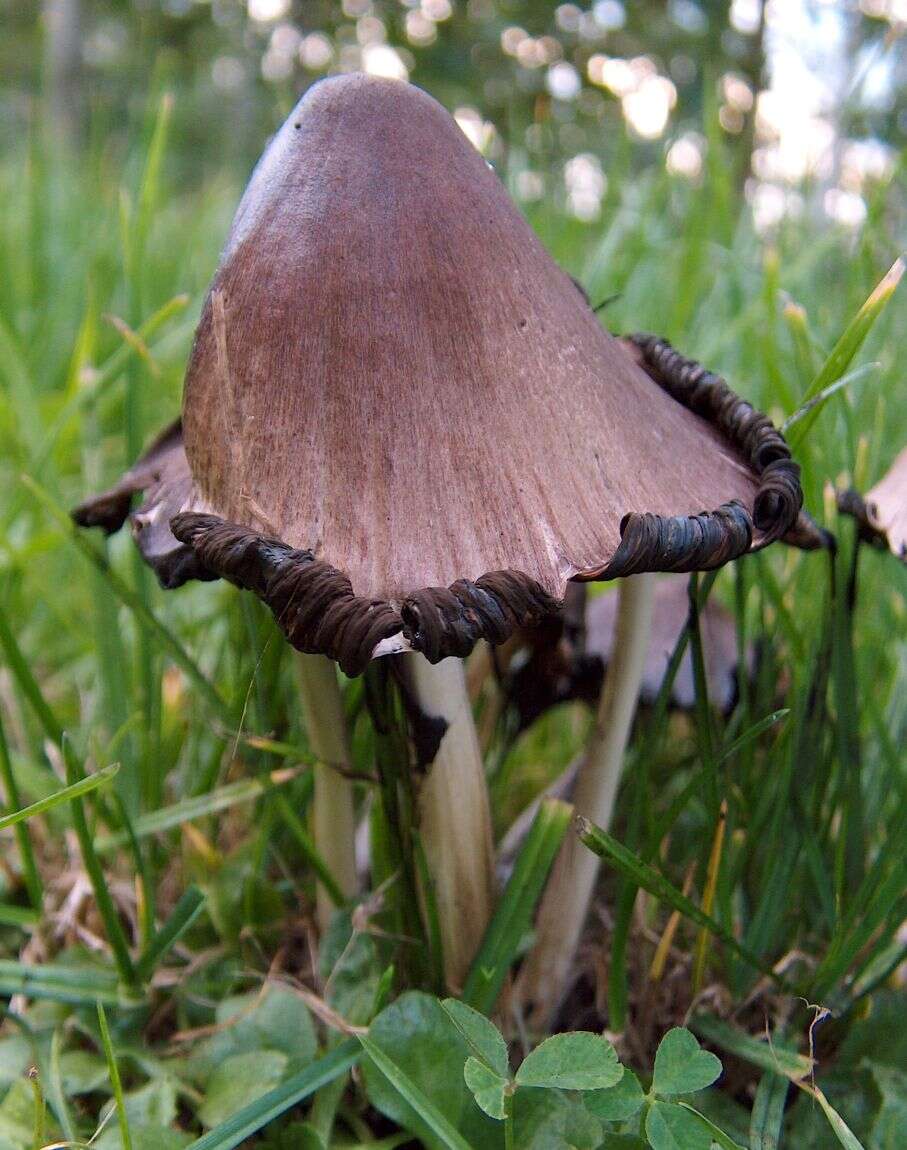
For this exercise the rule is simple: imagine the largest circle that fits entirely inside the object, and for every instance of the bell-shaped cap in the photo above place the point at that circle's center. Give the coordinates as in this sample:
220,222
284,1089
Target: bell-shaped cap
405,428
882,512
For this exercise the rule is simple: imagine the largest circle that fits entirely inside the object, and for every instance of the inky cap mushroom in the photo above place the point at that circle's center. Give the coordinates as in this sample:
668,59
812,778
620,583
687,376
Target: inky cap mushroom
571,662
882,512
404,427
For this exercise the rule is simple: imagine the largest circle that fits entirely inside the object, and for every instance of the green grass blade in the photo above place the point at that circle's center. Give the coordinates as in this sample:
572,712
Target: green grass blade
20,916
181,919
258,1114
115,934
753,733
513,915
27,683
114,1071
847,347
187,810
772,1056
411,1094
145,617
75,791
309,851
74,985
816,404
842,1131
644,875
30,872
768,1111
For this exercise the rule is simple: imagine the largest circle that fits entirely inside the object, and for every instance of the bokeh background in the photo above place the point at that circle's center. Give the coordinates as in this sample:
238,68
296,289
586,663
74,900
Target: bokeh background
810,96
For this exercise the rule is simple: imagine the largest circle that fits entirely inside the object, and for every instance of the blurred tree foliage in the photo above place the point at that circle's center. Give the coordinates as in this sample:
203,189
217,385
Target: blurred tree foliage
530,69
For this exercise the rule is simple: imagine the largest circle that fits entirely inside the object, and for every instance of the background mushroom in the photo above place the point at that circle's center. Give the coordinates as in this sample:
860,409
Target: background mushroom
571,663
381,331
882,512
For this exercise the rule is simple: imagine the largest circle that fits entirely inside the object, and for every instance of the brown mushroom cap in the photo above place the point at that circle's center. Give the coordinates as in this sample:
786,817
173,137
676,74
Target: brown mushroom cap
400,416
882,512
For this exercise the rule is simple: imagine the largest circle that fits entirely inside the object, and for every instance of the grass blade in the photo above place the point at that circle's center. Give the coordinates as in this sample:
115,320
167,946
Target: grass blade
114,1071
513,915
115,934
842,1131
847,347
258,1114
77,986
768,1056
146,618
27,683
197,807
183,916
29,867
630,866
768,1112
75,791
411,1094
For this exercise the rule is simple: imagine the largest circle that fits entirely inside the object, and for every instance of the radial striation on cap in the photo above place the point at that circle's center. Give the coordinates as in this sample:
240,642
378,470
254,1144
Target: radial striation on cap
401,418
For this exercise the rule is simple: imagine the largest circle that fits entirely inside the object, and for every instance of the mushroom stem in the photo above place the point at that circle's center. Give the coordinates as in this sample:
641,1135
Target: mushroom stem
562,914
333,816
454,816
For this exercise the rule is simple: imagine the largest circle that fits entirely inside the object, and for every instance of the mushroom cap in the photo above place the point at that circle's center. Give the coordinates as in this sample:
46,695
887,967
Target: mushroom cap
401,416
882,512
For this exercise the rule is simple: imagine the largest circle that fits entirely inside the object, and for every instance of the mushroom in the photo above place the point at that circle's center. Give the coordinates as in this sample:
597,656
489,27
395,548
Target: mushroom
572,661
405,430
882,513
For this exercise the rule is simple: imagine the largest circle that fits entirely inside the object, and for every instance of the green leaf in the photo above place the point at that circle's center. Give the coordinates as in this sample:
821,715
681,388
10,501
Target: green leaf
272,1019
15,1058
890,1121
618,1102
718,1135
482,1036
578,1061
488,1088
258,1114
149,1110
417,1034
552,1120
443,1130
82,1072
671,1127
350,968
239,1081
682,1066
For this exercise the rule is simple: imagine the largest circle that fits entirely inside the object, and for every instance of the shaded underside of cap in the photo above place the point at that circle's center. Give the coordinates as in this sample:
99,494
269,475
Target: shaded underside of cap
402,419
882,512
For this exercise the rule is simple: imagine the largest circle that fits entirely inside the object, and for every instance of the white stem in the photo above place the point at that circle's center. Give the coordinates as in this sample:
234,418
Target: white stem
545,978
333,816
454,816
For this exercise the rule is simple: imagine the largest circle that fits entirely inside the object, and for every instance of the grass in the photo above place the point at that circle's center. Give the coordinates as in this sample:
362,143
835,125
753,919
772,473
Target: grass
777,829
